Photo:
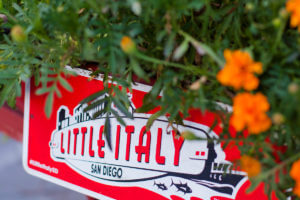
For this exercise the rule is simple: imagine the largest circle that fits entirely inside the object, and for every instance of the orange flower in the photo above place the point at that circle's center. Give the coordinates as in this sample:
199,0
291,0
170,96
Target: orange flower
250,165
127,45
293,6
295,174
249,111
239,70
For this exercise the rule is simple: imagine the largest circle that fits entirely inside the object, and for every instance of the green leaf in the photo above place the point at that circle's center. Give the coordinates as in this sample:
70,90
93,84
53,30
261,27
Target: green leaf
120,120
57,91
145,108
95,104
49,104
137,69
42,90
122,108
97,114
107,131
65,83
180,50
94,96
153,117
5,91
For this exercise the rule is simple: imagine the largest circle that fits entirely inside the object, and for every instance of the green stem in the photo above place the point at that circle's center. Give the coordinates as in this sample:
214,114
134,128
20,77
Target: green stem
279,34
203,46
192,68
278,167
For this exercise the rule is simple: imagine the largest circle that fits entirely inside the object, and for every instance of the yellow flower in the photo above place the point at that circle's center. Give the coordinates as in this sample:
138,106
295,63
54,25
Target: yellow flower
249,111
250,165
295,174
293,6
128,45
239,70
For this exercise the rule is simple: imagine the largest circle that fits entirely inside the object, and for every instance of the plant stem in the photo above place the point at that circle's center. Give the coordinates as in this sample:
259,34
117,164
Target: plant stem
279,34
206,48
191,68
278,167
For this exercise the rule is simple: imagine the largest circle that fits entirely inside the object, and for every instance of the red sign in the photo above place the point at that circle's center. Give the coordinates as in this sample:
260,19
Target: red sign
70,149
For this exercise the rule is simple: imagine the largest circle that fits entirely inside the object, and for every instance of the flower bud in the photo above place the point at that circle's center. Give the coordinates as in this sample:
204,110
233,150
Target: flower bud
276,22
283,13
128,45
18,35
293,88
277,118
60,9
188,135
249,6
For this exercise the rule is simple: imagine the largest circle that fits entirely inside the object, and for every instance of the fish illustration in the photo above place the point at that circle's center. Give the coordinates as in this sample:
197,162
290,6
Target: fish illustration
183,187
160,186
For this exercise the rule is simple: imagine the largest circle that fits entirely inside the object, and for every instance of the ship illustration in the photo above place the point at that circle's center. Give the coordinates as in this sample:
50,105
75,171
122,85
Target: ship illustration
64,119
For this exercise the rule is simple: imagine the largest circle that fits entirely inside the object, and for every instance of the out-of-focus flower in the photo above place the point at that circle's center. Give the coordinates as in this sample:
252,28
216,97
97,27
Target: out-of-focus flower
239,70
250,165
293,6
128,45
295,174
249,111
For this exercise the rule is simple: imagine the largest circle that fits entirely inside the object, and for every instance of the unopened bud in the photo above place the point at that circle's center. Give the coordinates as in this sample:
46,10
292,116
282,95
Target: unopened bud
60,9
128,45
276,22
283,13
188,135
249,6
293,88
277,118
18,35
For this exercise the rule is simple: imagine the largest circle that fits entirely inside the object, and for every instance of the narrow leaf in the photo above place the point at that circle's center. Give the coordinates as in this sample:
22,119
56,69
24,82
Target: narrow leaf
153,118
65,83
122,108
93,96
49,104
180,50
120,120
107,131
42,90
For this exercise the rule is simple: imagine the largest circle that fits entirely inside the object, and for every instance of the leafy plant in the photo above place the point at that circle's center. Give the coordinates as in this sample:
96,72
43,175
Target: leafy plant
180,45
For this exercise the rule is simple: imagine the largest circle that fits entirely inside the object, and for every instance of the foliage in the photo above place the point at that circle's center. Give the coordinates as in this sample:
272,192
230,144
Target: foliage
180,45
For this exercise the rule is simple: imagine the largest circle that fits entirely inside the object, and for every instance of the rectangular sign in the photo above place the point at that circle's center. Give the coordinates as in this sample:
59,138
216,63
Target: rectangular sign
70,149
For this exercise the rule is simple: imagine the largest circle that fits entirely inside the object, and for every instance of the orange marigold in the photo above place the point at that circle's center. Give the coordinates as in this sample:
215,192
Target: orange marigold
239,70
295,174
250,165
127,45
249,111
293,6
